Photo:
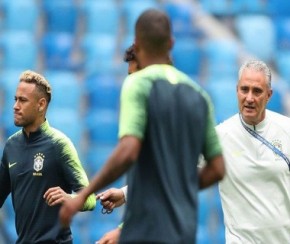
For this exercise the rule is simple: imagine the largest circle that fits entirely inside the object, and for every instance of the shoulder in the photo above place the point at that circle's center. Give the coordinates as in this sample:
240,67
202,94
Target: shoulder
56,134
275,115
12,143
16,137
57,137
140,82
136,80
228,125
279,119
61,143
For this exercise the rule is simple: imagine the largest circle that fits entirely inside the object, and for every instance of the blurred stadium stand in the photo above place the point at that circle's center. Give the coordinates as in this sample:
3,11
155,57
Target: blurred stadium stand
60,15
14,21
12,43
60,51
187,55
79,44
101,17
99,51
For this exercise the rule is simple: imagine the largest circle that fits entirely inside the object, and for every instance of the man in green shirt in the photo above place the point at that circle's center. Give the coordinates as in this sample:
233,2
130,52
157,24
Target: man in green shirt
166,122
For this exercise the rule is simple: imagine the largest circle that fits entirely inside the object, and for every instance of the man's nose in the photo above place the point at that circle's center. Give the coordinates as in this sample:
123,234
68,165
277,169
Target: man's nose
16,105
250,97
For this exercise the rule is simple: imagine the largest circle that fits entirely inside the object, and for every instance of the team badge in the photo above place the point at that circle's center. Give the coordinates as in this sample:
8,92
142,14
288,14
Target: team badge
278,145
38,162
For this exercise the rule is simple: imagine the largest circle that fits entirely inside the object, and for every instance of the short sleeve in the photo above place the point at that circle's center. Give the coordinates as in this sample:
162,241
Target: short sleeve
133,109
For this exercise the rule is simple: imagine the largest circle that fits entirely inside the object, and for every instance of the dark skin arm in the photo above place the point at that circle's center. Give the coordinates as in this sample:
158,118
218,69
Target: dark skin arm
124,155
212,172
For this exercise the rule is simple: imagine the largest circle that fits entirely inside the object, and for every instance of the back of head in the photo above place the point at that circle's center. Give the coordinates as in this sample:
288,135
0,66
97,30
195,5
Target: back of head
153,31
41,84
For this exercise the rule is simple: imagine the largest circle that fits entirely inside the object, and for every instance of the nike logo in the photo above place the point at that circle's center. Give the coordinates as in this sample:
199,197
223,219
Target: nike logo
10,165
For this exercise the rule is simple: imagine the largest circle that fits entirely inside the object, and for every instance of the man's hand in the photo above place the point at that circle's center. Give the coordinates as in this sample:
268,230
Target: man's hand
111,198
112,237
55,195
69,208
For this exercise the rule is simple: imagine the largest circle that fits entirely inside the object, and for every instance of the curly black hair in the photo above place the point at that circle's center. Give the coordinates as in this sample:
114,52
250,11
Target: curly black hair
129,54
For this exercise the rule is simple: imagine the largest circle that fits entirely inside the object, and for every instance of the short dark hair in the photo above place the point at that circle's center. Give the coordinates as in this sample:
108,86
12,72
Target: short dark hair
129,54
153,30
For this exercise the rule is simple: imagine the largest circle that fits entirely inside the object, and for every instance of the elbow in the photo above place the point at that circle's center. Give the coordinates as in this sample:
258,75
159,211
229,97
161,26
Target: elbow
129,149
220,175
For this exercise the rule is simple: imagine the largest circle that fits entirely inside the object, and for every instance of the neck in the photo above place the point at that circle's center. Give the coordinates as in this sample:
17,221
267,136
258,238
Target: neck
252,122
150,60
33,127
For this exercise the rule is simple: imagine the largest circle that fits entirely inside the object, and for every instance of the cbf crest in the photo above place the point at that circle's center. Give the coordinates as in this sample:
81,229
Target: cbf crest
278,145
38,162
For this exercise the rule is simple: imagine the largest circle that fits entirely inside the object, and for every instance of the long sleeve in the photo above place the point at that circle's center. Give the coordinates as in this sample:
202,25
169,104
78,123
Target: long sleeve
74,172
5,184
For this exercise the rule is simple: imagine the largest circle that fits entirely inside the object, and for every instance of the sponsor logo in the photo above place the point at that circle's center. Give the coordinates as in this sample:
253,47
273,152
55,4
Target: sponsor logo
10,165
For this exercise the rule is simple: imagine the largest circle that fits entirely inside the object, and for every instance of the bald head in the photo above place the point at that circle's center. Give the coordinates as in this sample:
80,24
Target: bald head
153,32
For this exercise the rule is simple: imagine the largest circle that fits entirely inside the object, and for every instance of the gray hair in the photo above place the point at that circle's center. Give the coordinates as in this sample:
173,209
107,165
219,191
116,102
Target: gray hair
257,65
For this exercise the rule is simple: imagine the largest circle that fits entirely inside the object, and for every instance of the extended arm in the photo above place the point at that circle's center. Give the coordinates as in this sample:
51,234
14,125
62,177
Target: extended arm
112,198
124,155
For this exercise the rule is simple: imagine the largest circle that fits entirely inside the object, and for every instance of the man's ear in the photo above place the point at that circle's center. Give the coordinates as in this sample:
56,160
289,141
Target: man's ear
270,93
42,103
